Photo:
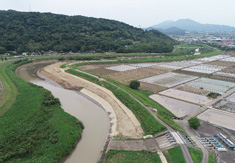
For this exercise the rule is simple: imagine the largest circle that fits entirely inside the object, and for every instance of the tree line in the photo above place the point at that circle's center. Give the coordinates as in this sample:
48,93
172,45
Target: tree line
34,32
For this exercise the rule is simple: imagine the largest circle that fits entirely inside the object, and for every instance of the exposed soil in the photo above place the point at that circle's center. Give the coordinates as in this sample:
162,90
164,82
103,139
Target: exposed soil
222,63
151,87
223,78
195,90
0,87
126,123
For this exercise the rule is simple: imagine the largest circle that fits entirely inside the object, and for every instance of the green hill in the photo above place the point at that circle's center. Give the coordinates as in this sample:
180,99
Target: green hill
33,31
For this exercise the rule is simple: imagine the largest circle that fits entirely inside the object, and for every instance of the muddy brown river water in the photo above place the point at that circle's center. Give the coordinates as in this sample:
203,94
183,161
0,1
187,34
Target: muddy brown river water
92,115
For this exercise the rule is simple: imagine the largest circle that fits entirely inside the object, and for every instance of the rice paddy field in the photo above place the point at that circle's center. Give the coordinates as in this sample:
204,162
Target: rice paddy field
228,104
168,79
212,85
214,58
204,68
178,84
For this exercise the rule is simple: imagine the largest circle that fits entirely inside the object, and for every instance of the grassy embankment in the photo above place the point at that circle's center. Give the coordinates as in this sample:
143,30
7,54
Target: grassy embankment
149,59
196,154
212,158
174,155
131,157
35,128
148,123
143,96
181,54
9,91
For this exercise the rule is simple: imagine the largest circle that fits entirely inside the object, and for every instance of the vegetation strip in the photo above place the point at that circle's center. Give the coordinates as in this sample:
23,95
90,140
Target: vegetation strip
143,96
9,92
148,59
121,156
174,155
148,123
212,158
35,128
196,154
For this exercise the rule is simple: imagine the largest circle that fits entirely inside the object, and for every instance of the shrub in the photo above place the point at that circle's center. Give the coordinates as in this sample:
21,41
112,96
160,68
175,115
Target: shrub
194,122
134,84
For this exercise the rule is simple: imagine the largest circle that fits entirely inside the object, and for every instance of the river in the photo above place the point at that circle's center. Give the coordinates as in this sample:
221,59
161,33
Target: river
93,116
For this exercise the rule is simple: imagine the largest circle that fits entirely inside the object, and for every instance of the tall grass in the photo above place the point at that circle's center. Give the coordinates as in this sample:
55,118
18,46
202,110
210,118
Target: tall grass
120,156
9,91
35,128
175,155
196,154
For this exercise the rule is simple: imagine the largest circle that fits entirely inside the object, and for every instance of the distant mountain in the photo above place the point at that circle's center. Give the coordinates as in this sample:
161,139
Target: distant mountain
192,26
34,32
172,31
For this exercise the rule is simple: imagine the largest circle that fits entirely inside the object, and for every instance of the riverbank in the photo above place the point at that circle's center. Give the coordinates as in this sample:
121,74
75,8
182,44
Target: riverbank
35,126
124,123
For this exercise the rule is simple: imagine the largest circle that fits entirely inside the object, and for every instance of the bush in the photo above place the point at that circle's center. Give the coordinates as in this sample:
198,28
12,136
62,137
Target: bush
213,95
134,84
194,122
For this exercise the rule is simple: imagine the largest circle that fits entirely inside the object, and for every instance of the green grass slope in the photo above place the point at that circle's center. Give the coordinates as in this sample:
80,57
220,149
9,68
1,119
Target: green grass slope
35,128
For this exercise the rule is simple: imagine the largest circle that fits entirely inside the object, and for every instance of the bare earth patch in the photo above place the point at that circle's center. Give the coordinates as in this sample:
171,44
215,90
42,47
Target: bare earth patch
178,108
127,76
126,123
219,118
186,96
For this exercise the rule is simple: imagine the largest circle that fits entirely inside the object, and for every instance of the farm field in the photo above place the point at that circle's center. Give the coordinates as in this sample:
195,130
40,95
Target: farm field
186,88
228,104
168,79
230,59
204,68
152,87
213,58
186,96
126,76
178,108
179,64
219,118
222,63
212,85
122,68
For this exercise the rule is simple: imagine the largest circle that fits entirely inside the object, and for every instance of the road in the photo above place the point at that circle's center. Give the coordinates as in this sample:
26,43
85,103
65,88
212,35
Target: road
183,146
191,133
0,87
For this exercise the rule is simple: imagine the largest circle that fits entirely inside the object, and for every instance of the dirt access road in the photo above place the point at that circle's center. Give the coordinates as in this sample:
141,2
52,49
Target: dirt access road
0,87
124,122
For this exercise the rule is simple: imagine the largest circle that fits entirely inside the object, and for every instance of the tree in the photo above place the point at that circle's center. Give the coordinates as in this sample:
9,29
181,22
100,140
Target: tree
134,84
194,122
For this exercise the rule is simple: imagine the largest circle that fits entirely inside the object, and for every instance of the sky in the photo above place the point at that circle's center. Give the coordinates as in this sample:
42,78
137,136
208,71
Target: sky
138,13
